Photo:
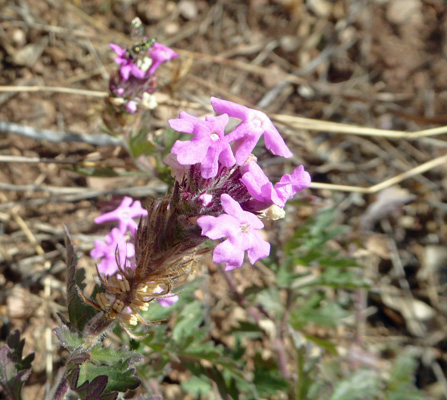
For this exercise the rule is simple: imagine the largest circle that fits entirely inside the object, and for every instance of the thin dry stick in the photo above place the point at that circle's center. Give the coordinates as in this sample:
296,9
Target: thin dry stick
95,139
37,160
292,121
316,125
77,194
311,124
53,89
385,184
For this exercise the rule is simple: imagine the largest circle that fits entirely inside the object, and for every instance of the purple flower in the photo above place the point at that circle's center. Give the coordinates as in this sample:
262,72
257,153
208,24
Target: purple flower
205,199
114,242
261,189
246,135
289,185
178,170
209,146
128,67
240,228
160,54
131,107
124,214
167,301
258,184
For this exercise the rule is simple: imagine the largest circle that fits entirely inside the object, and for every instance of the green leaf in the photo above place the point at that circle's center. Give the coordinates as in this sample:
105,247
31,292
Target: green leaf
248,329
197,386
206,351
403,369
267,377
68,338
14,371
90,390
269,298
330,347
400,384
79,312
116,364
225,391
139,144
16,345
120,376
315,310
361,385
211,352
336,278
110,356
315,232
188,321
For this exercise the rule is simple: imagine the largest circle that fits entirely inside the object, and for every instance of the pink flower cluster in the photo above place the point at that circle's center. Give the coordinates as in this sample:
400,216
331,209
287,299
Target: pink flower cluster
118,245
219,173
136,79
158,54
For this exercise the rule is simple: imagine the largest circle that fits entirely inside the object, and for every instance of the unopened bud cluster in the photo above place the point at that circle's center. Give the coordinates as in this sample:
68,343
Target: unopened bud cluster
133,83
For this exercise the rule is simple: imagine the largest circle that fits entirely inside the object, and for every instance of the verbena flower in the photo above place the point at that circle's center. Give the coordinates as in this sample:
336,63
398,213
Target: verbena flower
258,184
159,55
220,193
124,214
260,187
115,247
127,64
135,79
247,134
291,184
240,228
209,146
167,301
131,107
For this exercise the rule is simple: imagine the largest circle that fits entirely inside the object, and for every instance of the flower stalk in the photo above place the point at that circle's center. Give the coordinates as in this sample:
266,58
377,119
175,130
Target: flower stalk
220,193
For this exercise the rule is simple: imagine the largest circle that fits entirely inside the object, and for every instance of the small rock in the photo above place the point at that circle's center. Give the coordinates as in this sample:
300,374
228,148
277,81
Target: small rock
322,8
404,12
289,43
188,9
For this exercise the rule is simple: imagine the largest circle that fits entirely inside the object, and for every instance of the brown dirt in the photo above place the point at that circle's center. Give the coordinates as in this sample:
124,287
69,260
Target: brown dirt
380,64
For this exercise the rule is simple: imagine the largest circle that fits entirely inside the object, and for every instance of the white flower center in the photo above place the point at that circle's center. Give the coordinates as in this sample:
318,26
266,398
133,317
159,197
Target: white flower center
144,64
214,137
125,214
149,101
258,123
245,228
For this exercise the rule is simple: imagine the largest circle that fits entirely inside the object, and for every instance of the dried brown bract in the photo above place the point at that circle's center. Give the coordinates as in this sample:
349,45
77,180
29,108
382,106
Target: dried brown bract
166,247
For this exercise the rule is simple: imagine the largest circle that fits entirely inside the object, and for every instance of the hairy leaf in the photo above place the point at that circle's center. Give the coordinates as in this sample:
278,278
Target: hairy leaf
93,390
189,319
267,378
400,385
67,338
120,376
318,311
109,356
139,144
14,371
361,385
197,385
78,311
